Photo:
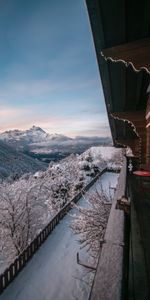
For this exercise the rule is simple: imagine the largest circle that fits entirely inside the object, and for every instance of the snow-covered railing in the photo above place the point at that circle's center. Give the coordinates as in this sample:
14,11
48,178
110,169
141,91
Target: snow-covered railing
108,282
114,168
12,271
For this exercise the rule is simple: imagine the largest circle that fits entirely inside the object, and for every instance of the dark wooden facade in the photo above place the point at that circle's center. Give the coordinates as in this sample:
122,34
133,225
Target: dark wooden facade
121,31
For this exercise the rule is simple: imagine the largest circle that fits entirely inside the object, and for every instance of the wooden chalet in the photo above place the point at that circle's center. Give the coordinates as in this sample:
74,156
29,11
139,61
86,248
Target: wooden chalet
121,33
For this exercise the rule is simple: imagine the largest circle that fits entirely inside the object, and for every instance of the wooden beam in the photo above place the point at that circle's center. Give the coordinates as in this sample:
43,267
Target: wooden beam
136,118
132,143
138,123
130,115
136,53
148,132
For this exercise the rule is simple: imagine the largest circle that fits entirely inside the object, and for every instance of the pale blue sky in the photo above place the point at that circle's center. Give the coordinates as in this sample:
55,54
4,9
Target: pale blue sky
48,70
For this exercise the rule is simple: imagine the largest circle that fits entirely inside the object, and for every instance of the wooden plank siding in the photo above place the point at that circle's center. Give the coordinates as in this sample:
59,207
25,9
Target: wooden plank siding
148,132
139,267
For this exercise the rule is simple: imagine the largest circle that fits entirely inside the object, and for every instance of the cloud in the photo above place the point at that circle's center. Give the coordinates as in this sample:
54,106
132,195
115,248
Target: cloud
92,132
49,76
41,88
27,89
72,126
7,113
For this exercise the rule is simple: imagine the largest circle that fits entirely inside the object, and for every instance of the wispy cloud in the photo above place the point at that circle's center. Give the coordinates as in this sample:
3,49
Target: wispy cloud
103,132
37,88
71,126
28,89
9,112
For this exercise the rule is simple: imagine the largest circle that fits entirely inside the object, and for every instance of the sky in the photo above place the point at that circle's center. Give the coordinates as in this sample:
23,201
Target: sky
48,70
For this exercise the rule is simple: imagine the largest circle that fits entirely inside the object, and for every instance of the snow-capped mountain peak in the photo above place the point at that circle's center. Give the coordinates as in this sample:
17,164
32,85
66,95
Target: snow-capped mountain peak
33,135
36,128
36,133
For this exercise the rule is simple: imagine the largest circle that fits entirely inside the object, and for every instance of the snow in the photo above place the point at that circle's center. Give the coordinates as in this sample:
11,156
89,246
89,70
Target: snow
41,151
53,272
33,135
45,192
105,152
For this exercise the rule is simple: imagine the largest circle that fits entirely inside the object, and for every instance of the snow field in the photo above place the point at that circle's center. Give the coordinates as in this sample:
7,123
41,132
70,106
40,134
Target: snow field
53,272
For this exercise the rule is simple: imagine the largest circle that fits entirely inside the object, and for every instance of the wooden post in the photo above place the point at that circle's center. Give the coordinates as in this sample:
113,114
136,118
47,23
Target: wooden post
148,132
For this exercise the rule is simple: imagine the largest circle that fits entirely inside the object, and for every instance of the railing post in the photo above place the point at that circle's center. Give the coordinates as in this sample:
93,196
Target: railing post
1,284
11,272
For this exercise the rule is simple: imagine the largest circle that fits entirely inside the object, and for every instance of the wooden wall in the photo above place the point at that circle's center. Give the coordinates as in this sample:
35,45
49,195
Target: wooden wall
148,132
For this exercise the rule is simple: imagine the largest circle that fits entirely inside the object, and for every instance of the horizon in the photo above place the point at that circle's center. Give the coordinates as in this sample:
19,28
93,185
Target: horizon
55,133
48,69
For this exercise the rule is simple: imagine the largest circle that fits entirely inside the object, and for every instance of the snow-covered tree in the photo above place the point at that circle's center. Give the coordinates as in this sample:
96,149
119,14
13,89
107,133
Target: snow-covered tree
116,161
28,203
21,216
90,223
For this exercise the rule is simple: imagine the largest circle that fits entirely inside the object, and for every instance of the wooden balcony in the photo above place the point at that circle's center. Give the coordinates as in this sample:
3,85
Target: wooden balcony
110,279
123,270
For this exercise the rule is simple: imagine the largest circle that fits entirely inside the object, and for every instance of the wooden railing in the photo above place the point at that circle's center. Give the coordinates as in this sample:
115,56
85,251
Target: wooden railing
108,282
12,271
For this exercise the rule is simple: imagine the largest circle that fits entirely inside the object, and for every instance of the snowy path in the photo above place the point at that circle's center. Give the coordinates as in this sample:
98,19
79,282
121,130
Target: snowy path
52,273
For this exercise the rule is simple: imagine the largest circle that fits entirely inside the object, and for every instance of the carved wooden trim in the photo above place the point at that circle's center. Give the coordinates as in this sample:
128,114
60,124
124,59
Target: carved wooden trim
135,54
138,124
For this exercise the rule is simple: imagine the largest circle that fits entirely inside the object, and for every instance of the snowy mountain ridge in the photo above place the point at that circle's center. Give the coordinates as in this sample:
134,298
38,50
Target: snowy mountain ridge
38,143
32,135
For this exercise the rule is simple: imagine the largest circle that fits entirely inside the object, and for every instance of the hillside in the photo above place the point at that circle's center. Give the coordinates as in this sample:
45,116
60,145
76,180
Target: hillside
13,162
37,197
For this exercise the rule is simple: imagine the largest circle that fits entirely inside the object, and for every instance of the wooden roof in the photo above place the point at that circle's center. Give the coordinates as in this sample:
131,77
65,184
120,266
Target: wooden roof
121,32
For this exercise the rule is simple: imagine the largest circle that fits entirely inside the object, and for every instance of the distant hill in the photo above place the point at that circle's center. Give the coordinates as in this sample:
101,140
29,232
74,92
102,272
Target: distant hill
13,162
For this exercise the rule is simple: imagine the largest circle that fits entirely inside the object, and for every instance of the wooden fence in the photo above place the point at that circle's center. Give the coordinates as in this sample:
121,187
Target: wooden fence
12,271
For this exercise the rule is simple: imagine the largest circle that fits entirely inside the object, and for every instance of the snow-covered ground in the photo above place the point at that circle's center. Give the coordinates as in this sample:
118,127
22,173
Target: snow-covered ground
28,204
53,272
106,152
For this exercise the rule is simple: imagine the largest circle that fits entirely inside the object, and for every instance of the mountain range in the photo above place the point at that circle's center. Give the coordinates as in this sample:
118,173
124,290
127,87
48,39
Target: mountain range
34,135
46,147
